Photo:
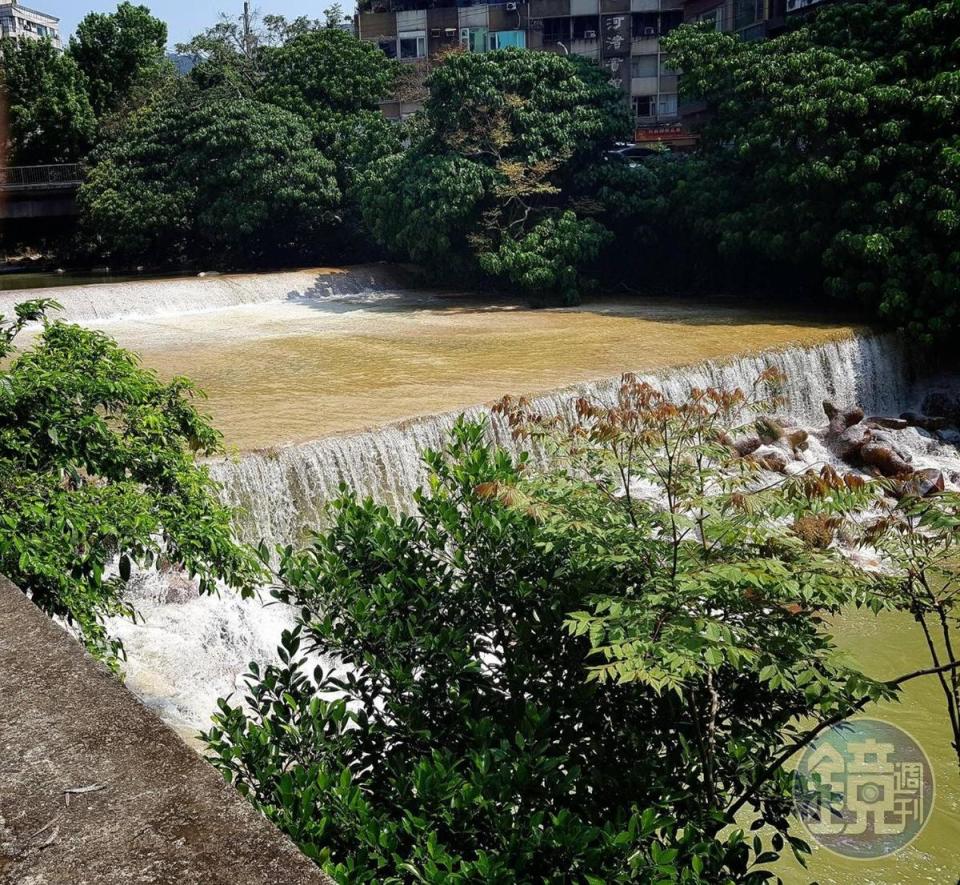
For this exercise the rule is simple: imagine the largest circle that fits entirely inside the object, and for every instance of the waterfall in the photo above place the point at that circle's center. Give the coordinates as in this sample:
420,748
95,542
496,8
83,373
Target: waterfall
189,650
104,302
281,492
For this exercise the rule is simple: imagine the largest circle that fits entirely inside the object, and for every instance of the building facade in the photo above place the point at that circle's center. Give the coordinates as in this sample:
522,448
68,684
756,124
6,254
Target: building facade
24,23
750,19
623,36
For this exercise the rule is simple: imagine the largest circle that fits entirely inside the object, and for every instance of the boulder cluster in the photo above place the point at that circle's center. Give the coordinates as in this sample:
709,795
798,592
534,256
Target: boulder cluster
866,443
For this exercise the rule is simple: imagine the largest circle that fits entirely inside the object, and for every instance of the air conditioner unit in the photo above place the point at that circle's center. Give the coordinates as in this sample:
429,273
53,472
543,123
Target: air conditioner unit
435,33
450,33
511,7
589,35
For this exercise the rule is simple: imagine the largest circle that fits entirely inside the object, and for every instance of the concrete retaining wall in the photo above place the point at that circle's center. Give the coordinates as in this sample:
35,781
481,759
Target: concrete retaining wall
157,814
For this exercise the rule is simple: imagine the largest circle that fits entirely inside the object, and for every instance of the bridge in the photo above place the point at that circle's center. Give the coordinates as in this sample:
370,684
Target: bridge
39,191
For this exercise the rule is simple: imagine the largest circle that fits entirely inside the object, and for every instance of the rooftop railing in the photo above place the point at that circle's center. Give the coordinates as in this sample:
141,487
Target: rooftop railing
60,176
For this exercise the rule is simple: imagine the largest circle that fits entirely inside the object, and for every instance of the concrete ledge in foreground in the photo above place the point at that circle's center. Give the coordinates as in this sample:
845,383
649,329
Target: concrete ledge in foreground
163,815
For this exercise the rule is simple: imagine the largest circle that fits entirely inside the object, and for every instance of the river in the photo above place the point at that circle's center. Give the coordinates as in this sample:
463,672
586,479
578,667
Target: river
318,377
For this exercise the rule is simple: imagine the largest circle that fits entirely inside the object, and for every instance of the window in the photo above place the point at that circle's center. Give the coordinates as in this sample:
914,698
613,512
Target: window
643,66
473,39
644,105
556,30
413,44
645,24
665,69
586,27
656,24
388,46
670,20
748,12
668,105
503,39
714,17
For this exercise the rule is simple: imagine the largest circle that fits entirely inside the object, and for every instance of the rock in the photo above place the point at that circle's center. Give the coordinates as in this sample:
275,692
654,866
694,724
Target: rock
853,416
768,429
879,435
884,459
746,445
840,419
924,422
773,460
177,589
847,445
798,439
924,483
888,423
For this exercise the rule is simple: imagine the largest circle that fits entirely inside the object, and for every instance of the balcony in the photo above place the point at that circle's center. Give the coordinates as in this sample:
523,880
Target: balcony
64,176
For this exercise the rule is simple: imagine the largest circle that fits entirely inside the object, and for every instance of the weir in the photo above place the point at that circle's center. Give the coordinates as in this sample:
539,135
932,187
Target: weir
331,351
189,650
203,293
281,493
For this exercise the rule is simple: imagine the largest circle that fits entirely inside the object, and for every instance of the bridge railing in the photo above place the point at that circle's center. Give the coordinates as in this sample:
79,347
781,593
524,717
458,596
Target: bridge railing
62,175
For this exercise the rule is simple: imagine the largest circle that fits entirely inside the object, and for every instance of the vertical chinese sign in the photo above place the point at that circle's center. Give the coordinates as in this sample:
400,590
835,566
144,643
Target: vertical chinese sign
615,48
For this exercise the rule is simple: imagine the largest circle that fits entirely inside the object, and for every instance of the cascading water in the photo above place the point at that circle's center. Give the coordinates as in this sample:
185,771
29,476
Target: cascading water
111,301
281,493
187,651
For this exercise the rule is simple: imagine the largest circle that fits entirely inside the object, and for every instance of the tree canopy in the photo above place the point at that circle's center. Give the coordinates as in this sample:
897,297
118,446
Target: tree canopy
198,176
336,83
488,183
49,113
116,50
831,153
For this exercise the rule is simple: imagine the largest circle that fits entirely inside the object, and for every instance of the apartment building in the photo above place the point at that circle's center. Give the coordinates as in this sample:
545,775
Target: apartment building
623,36
23,23
750,19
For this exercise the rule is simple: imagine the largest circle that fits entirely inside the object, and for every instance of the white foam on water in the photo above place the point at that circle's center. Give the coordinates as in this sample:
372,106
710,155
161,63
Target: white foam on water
108,302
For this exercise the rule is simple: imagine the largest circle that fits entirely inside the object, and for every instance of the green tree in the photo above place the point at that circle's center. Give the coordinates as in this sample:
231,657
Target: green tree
97,467
196,176
116,51
831,153
49,113
489,183
335,82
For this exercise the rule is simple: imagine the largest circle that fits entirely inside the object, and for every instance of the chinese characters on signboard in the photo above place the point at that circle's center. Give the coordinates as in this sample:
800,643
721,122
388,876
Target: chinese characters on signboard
615,48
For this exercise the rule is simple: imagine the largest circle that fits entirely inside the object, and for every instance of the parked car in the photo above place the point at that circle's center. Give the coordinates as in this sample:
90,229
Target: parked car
630,153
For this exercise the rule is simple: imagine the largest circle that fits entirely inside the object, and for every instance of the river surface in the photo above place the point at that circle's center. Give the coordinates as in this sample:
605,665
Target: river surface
289,372
302,363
